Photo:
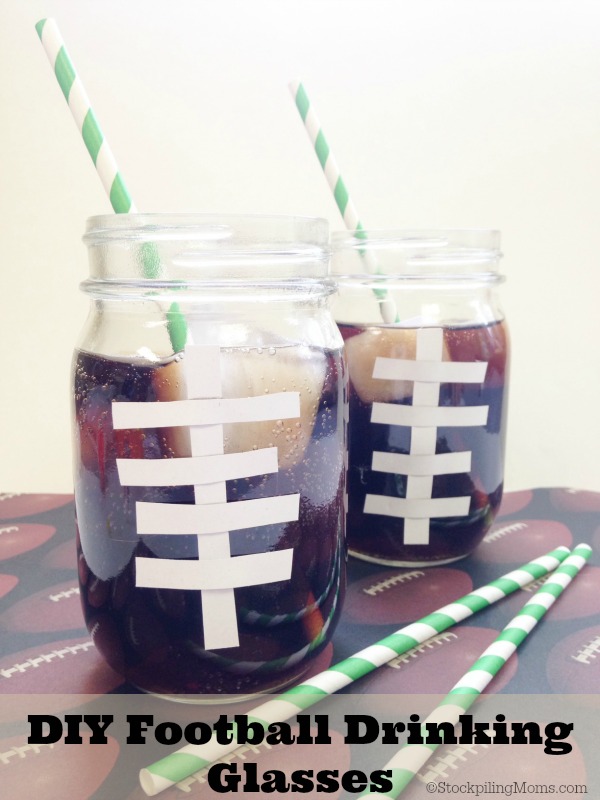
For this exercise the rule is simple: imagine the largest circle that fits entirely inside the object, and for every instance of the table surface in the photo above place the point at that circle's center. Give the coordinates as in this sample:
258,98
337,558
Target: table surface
41,621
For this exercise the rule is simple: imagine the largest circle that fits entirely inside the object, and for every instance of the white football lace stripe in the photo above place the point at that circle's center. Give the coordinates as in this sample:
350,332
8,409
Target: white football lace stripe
211,518
427,371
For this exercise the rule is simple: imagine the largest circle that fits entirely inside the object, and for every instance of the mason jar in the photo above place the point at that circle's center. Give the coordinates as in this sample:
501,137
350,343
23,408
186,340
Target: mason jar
208,451
427,351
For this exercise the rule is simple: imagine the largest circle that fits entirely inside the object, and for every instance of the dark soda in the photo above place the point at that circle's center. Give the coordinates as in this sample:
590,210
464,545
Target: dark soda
154,637
378,537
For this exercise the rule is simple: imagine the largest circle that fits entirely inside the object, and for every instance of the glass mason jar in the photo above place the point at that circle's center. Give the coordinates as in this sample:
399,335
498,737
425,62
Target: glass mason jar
209,450
427,352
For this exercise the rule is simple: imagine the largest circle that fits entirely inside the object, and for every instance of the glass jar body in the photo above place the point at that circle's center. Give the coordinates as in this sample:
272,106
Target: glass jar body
427,351
209,459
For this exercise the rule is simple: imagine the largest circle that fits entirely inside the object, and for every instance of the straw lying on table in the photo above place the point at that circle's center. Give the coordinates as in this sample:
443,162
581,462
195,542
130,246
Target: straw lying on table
102,156
192,758
344,202
411,758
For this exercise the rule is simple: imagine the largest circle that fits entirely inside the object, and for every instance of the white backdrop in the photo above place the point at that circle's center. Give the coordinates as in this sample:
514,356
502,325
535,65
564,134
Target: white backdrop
442,113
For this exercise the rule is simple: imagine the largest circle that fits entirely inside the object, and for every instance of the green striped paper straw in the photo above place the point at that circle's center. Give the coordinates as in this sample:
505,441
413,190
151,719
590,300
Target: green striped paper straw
84,117
192,758
338,187
102,156
412,757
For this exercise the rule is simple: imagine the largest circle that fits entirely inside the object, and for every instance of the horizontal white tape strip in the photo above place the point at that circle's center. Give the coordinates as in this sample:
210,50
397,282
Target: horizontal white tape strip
215,573
196,470
436,464
429,416
427,507
400,369
174,519
202,411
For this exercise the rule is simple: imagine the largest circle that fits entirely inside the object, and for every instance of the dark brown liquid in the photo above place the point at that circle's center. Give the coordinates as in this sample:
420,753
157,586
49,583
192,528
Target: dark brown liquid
154,637
381,537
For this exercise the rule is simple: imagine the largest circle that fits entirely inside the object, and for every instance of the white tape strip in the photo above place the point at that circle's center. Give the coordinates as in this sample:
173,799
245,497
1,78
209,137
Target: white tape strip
172,519
428,416
219,619
423,441
206,440
196,470
417,507
435,464
201,411
426,394
416,531
397,369
202,370
218,573
430,344
419,486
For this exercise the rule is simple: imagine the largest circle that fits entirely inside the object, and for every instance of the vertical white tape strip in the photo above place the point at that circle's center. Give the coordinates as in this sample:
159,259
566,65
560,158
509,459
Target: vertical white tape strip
202,367
429,347
423,441
416,531
430,344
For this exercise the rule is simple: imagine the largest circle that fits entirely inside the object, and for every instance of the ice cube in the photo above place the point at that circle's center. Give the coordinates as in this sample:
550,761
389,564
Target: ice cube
168,382
365,347
249,372
260,371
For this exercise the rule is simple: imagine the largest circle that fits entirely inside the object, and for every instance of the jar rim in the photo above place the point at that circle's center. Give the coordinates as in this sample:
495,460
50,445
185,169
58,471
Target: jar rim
208,226
202,248
413,254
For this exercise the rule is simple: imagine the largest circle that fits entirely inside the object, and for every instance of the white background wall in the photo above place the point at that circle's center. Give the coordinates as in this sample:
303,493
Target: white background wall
449,113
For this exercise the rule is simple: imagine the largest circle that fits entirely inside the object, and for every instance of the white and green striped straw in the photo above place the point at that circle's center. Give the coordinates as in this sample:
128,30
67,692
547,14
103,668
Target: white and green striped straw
192,758
102,157
326,158
338,187
412,757
84,117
